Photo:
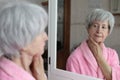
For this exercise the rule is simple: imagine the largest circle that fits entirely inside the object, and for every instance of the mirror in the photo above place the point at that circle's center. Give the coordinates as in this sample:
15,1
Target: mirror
54,73
78,12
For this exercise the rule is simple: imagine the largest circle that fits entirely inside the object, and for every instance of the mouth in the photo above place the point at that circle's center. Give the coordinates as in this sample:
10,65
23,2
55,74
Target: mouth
98,35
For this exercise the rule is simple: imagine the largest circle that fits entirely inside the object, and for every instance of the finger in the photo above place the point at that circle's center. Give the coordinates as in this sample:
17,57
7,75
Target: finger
38,66
93,41
37,61
101,44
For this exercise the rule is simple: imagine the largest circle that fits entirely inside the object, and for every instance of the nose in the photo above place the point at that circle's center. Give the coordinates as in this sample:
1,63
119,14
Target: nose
99,29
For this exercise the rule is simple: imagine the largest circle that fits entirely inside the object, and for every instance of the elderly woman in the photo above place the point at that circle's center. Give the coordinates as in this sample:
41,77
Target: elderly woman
92,57
22,41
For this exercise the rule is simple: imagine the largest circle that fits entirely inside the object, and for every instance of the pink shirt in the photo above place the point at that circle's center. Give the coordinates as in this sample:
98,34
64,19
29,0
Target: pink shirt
82,61
11,71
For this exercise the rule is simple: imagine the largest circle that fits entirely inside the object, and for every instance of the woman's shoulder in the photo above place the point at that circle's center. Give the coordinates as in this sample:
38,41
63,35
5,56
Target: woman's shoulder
76,53
111,52
109,49
75,56
76,50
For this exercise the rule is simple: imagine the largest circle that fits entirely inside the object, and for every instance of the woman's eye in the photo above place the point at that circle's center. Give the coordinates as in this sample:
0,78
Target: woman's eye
103,27
95,26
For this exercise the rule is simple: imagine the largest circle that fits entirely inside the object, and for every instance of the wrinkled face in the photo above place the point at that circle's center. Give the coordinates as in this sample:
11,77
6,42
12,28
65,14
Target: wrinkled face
98,31
37,45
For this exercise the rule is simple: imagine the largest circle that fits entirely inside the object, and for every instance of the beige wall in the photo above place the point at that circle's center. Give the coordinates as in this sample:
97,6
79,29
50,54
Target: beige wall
79,10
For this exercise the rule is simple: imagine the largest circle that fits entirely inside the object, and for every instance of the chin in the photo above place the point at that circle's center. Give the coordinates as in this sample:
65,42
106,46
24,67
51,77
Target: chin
41,52
98,41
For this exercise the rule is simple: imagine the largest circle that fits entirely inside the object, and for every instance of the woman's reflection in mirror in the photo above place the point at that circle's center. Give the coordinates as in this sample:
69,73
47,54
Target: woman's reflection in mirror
92,57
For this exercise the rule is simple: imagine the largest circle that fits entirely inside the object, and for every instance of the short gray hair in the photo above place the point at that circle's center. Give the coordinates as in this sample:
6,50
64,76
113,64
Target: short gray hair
100,15
20,23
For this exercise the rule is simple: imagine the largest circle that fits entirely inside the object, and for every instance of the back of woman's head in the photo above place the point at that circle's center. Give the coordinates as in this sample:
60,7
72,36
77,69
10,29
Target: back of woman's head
20,23
100,15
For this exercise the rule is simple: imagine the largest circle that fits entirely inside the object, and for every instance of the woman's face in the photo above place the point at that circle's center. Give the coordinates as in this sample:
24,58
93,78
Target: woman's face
37,45
98,31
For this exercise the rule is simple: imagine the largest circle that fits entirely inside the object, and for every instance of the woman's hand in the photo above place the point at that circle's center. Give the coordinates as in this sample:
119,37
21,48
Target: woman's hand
96,49
38,68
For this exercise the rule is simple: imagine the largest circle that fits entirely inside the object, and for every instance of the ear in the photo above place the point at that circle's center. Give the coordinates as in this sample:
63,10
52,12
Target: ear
109,32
